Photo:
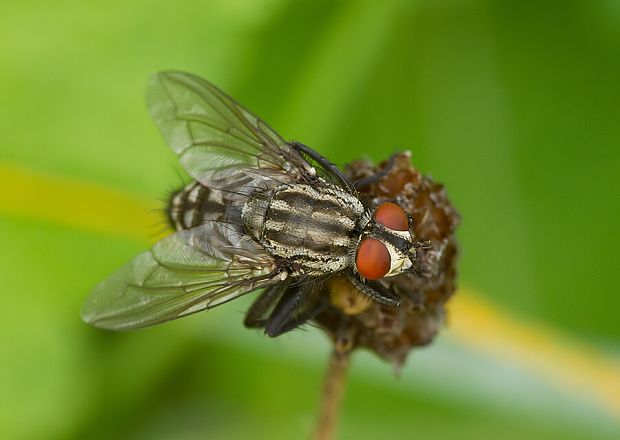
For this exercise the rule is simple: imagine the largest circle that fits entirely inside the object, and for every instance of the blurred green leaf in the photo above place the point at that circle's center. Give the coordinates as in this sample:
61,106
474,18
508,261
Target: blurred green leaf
514,105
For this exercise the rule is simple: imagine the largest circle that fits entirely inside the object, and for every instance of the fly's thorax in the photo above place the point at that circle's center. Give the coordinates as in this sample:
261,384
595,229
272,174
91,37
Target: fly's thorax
311,228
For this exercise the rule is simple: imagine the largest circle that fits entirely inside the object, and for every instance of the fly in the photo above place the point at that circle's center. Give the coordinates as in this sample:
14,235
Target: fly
261,213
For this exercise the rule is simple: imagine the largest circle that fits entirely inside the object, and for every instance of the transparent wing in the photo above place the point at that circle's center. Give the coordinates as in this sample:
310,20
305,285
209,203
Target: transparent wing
213,135
189,271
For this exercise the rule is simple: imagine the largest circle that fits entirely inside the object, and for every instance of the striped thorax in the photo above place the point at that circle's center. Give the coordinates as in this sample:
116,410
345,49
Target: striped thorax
313,230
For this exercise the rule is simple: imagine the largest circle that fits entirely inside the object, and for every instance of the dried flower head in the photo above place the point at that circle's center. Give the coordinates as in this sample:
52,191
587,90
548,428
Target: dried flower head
351,320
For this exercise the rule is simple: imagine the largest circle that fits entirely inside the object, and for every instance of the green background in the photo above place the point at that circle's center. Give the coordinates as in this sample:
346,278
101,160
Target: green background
514,105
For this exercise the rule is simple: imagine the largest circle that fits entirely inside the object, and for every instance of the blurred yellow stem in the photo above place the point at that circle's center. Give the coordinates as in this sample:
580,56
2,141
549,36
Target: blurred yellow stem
566,362
80,205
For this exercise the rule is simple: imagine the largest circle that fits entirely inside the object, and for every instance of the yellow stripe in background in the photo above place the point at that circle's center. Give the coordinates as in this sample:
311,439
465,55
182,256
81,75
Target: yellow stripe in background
478,324
81,205
536,347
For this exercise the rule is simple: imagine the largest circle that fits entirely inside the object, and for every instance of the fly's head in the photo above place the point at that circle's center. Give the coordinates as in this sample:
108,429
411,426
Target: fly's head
387,244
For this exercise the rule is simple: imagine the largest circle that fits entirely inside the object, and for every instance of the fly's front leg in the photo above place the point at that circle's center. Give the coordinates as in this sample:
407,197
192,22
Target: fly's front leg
381,296
367,181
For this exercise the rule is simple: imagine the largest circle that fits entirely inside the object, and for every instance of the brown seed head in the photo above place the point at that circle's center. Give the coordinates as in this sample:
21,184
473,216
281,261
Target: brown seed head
352,320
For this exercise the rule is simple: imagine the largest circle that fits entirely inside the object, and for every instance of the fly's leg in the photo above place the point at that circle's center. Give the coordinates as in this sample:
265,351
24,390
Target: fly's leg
284,311
321,160
256,317
297,320
387,169
294,309
379,295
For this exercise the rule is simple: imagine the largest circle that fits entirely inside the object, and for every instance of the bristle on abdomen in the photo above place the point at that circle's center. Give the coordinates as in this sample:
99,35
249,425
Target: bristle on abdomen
191,206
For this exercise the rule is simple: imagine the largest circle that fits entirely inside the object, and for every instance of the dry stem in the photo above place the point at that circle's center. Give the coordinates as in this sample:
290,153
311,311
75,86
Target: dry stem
333,390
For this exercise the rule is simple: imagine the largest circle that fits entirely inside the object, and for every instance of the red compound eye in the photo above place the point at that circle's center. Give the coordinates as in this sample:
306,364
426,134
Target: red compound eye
392,216
373,259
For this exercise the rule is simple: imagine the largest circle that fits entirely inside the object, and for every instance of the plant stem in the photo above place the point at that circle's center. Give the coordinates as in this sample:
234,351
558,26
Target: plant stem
333,389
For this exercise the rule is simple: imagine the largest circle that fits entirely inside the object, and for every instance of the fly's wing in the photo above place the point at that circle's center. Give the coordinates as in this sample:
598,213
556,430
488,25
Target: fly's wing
189,271
215,137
